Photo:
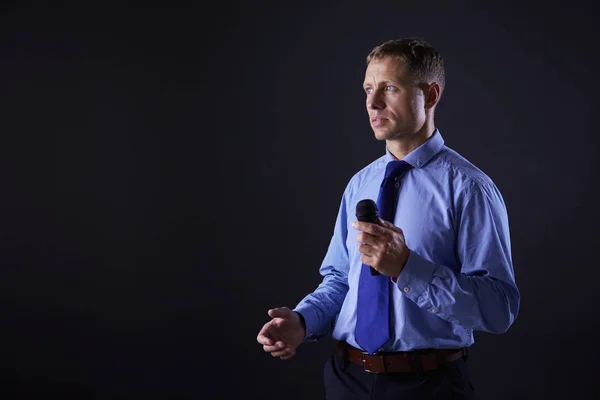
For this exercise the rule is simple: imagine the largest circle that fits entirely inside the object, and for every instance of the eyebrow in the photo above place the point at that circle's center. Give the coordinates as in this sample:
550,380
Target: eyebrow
384,83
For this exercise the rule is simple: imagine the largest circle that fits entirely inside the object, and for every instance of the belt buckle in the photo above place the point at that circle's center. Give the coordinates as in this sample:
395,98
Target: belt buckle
364,363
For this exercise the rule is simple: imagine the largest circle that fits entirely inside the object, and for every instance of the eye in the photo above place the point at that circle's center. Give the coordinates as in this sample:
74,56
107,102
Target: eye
390,88
368,90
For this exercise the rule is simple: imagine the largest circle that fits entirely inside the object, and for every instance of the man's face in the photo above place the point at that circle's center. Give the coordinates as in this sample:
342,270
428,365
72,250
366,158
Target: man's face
395,104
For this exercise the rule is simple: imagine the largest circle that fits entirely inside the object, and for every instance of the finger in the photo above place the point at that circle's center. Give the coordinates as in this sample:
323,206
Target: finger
368,260
280,312
276,347
289,355
373,229
389,225
367,250
281,353
371,240
264,336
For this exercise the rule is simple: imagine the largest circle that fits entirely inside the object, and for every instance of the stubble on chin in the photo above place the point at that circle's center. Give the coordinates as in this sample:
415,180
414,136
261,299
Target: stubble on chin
387,134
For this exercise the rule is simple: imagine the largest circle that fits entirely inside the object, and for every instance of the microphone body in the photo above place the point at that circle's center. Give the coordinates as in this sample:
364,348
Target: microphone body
367,211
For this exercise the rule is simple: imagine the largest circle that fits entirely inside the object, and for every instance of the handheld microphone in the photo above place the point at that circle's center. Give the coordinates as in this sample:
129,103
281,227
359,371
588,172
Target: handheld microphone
366,211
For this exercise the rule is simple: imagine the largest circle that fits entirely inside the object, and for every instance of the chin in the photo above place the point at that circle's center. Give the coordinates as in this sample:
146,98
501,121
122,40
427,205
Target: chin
383,134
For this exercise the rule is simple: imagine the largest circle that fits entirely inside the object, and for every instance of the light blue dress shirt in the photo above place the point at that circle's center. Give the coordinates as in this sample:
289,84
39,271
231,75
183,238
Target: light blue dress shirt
459,276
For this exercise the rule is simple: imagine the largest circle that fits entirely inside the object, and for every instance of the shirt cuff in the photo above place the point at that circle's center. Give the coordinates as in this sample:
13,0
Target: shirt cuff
310,321
415,278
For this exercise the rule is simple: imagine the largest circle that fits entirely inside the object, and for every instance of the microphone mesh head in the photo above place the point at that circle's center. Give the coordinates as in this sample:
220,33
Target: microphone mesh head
366,210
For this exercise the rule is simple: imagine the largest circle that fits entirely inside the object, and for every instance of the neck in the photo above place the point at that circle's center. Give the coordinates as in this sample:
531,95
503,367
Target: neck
401,147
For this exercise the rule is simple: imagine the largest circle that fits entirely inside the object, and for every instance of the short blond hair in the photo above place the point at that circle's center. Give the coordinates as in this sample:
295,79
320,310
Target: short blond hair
420,58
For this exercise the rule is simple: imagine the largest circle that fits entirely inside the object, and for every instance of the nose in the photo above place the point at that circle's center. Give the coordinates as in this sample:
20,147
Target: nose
375,101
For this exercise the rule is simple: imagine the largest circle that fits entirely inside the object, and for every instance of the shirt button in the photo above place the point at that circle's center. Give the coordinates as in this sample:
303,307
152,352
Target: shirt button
434,310
397,184
406,289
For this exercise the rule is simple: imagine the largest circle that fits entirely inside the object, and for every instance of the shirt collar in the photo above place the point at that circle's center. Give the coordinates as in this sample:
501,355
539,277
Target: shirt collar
422,154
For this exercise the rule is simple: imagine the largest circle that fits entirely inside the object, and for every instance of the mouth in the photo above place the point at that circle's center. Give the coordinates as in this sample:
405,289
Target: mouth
378,121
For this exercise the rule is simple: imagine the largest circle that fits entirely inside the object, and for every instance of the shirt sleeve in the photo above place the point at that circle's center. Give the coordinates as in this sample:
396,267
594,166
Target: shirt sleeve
483,295
321,307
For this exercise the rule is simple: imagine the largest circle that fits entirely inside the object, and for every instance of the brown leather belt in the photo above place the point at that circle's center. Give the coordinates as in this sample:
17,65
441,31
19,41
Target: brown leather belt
430,359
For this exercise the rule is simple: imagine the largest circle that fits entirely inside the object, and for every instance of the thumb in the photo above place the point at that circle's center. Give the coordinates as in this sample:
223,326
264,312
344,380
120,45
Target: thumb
280,312
389,225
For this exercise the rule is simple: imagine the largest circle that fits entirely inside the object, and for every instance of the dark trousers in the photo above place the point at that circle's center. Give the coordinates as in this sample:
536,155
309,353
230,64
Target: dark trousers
345,381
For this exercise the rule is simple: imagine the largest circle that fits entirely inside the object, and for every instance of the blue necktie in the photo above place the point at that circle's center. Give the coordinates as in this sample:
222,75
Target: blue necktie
373,308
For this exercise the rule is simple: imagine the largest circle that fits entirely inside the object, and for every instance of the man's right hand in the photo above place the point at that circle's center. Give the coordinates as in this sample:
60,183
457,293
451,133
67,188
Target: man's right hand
281,335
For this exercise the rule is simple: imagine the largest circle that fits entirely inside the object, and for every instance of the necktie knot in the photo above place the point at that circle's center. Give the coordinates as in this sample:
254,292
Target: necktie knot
396,168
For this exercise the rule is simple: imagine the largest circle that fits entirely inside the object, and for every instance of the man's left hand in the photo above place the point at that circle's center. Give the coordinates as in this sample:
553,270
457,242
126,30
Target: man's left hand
382,246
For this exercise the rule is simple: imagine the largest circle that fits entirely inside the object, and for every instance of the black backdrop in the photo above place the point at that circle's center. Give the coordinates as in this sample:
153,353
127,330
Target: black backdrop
170,174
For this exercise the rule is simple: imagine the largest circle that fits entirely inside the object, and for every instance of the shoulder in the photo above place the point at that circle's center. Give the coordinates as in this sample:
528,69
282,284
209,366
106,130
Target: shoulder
463,170
459,166
468,180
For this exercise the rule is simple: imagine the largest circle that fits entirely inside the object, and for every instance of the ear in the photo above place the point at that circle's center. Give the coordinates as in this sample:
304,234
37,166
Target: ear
433,92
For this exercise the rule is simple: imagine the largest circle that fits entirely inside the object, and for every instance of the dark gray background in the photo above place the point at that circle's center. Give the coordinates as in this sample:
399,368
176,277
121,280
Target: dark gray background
168,175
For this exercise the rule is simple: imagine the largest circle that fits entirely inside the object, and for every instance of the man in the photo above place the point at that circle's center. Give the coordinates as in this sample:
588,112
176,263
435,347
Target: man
441,246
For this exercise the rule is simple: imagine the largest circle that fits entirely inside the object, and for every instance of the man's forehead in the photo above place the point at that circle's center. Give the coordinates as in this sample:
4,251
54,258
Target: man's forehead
386,69
386,64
